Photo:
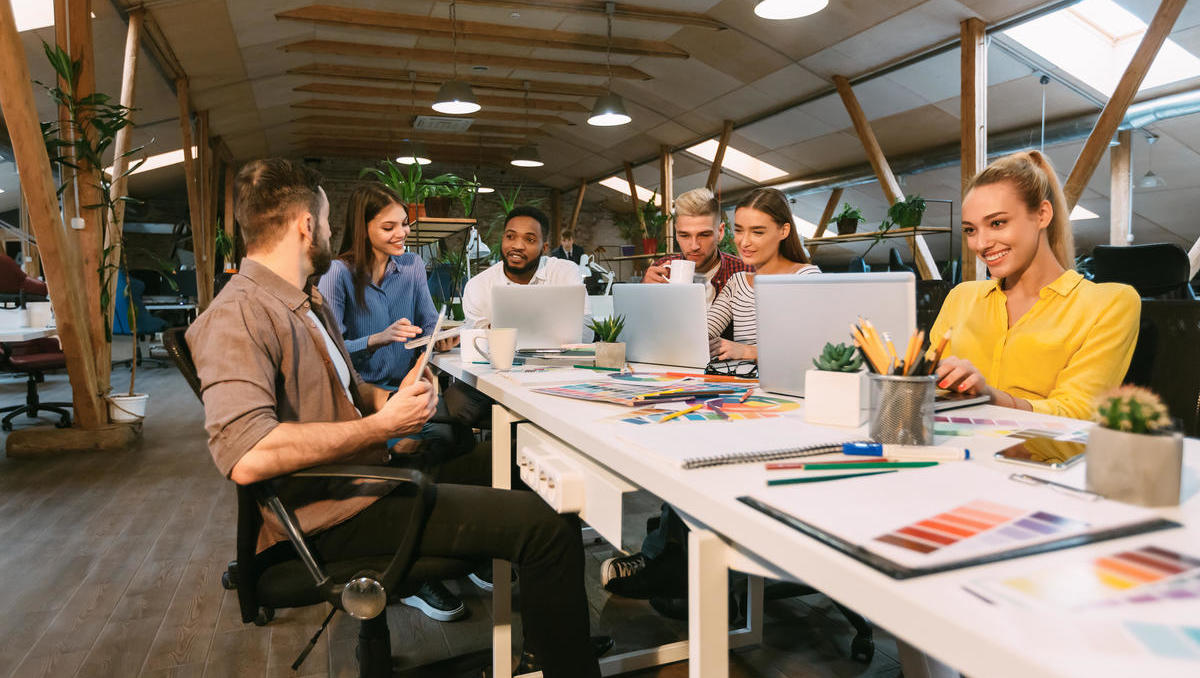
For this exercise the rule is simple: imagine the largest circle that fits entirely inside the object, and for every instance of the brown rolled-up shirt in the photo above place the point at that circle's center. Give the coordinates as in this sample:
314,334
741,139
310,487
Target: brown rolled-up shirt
261,362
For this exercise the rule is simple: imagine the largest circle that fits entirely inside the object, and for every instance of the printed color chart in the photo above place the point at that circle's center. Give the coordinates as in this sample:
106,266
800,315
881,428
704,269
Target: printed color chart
1174,642
984,522
724,408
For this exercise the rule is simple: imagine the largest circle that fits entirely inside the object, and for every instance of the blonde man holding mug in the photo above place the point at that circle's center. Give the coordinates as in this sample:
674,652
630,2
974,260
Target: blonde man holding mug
698,232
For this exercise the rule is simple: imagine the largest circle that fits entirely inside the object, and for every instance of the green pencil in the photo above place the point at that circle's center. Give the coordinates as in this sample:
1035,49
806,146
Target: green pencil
821,479
593,367
819,466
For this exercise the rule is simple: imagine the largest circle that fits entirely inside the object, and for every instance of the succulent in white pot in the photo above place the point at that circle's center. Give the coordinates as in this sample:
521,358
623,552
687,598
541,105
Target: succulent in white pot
837,392
1134,454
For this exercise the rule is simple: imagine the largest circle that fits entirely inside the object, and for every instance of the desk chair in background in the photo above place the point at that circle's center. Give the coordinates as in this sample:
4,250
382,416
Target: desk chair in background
1167,358
147,325
1155,270
289,575
33,359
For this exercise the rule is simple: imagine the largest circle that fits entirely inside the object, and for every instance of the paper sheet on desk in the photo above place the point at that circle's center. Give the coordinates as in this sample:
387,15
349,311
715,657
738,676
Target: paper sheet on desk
936,517
734,442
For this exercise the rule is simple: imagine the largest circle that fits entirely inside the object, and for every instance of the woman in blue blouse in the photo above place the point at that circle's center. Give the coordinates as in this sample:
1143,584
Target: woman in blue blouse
379,295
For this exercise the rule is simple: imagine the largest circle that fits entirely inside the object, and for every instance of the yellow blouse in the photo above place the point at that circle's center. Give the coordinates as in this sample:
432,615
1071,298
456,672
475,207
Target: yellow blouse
1071,346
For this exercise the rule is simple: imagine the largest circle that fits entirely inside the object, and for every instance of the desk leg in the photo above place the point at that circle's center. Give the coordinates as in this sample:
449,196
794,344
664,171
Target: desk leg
502,460
708,606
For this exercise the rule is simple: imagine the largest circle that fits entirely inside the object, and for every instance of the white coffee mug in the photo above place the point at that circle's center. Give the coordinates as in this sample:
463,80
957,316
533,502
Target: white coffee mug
467,341
502,347
682,271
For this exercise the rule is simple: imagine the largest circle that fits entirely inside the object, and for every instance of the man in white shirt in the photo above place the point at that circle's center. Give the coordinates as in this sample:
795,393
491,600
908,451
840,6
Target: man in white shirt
523,262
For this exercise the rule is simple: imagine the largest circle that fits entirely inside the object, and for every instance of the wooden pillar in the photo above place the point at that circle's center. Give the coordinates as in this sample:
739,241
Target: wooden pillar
1194,257
973,107
830,206
1121,190
63,268
883,173
556,217
230,222
637,207
203,233
189,170
714,172
666,188
578,205
1114,111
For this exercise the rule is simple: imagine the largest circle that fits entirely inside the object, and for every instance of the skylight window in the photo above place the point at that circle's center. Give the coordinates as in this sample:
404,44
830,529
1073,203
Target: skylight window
737,162
33,14
1080,213
620,185
804,227
158,161
1094,40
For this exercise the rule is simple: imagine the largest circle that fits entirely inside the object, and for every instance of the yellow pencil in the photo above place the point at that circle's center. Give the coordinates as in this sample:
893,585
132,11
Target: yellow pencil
937,354
680,413
891,349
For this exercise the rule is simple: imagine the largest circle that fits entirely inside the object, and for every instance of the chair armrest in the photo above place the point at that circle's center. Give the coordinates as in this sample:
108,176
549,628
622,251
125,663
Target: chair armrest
363,471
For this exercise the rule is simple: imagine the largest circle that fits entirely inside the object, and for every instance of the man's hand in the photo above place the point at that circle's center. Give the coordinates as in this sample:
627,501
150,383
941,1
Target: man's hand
446,344
401,330
656,274
723,349
407,410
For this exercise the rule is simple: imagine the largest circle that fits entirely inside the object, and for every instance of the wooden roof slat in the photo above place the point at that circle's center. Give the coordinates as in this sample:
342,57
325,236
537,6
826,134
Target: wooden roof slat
377,122
621,10
394,134
426,97
405,110
482,81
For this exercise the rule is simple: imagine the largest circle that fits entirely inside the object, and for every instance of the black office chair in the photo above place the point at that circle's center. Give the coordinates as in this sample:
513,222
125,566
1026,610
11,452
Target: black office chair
289,575
896,263
33,359
1167,358
1155,270
931,294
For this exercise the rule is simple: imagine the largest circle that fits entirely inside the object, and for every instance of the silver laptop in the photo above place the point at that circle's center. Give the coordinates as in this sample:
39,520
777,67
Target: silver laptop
797,315
664,324
546,316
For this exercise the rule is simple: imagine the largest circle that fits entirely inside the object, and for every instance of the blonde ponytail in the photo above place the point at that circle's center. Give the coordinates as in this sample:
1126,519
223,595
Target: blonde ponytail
1031,173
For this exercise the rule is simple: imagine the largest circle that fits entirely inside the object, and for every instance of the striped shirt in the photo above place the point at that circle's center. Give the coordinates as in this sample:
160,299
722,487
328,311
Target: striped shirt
403,292
735,304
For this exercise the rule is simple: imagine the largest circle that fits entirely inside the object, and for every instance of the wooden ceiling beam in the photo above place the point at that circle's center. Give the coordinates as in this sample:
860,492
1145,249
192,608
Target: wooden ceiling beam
393,134
374,151
427,97
347,72
412,24
621,10
406,124
440,56
405,110
401,141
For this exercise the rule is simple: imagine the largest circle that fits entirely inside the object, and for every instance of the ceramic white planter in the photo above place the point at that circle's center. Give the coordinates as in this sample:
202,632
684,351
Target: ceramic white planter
127,408
1133,467
836,398
610,354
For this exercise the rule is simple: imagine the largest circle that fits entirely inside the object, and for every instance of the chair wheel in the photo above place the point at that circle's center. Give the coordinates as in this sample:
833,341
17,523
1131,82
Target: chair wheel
862,649
6,426
266,614
229,576
63,423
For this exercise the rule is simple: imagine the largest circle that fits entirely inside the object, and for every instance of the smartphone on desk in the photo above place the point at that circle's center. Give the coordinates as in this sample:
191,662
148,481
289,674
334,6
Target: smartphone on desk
1045,453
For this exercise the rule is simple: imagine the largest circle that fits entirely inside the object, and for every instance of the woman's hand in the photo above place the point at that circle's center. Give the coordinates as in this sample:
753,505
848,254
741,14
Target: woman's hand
960,376
401,330
446,344
723,349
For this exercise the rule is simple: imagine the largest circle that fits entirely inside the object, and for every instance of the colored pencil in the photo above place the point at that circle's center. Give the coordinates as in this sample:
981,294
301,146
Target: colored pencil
834,466
891,348
746,395
937,354
680,413
594,367
821,479
711,377
797,465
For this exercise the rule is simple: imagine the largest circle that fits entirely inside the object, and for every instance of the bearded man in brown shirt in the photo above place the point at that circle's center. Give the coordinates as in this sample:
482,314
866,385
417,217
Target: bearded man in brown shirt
280,394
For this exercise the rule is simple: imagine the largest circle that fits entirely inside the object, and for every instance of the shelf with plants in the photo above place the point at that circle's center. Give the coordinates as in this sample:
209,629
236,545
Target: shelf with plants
876,235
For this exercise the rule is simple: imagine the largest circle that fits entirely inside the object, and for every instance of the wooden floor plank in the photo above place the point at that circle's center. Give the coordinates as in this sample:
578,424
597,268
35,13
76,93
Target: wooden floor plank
241,653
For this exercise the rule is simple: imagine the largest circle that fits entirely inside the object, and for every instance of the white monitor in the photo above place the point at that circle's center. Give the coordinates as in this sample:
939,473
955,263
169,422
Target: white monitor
546,316
798,314
664,324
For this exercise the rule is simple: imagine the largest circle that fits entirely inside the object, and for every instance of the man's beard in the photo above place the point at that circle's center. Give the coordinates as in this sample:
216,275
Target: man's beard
531,266
320,257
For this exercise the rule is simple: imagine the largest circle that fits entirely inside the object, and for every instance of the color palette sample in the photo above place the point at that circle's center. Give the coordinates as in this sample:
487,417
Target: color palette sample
603,391
969,427
721,408
985,523
1172,642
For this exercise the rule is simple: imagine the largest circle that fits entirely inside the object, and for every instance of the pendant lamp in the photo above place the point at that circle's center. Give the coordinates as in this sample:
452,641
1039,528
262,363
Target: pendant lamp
609,110
788,9
455,96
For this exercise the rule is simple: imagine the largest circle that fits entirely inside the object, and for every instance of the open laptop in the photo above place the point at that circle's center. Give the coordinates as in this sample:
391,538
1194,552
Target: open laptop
546,316
664,324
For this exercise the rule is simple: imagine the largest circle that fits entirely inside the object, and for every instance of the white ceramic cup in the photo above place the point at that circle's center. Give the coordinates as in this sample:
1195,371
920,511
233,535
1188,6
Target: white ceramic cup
502,347
469,353
41,313
682,271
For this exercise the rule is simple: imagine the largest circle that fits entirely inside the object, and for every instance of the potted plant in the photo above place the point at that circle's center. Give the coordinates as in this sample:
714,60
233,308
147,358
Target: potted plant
406,183
848,219
907,213
1133,453
655,222
440,194
837,392
609,351
87,134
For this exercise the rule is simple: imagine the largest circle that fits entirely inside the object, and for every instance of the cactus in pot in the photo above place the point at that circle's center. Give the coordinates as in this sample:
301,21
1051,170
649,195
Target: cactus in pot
1134,454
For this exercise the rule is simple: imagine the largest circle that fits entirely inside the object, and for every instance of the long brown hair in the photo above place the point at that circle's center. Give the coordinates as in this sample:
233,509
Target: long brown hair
1031,173
773,203
366,202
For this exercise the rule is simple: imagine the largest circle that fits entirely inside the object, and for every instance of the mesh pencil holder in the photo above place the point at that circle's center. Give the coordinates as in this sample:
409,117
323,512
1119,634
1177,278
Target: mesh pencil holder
902,409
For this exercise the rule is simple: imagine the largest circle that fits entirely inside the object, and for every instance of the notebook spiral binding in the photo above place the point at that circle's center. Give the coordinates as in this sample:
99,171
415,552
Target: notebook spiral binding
767,455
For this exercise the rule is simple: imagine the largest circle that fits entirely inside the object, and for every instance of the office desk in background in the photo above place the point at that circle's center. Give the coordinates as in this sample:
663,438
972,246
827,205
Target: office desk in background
934,613
16,334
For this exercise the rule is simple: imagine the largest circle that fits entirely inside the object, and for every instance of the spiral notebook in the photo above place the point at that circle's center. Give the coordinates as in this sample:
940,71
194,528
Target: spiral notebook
703,445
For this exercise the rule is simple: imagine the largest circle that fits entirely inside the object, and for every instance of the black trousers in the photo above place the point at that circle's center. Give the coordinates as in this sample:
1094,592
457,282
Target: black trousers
473,522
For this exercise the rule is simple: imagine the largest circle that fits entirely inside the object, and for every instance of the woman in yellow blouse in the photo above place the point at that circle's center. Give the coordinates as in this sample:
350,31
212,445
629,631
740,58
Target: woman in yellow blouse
1036,336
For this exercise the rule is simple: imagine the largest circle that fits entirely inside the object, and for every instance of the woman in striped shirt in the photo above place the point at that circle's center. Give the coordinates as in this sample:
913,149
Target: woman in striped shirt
766,239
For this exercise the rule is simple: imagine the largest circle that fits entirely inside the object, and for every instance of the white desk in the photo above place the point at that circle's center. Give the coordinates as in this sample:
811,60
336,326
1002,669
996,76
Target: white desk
14,334
933,613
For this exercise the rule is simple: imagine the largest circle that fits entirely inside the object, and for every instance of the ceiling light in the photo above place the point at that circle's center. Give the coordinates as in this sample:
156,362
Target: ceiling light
1151,180
417,159
456,98
527,156
788,9
609,111
485,189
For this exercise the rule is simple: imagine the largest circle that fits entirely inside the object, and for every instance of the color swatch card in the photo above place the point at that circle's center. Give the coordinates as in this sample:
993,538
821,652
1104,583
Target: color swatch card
606,391
721,408
968,426
1167,641
1137,576
924,520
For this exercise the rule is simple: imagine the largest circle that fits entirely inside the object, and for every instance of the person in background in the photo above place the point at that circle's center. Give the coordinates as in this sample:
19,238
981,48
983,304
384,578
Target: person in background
567,249
13,280
767,241
281,394
378,294
698,232
1037,335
